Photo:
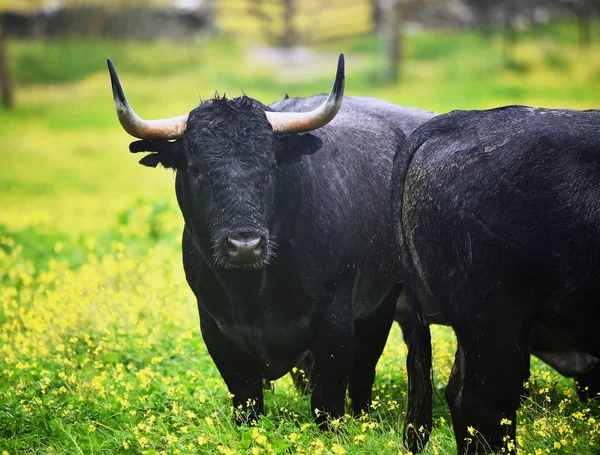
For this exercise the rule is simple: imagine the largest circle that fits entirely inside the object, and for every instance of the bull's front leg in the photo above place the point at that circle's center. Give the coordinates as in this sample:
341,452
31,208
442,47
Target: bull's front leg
241,373
333,351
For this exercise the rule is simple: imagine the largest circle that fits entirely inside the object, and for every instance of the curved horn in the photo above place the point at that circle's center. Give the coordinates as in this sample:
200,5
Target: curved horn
300,122
168,128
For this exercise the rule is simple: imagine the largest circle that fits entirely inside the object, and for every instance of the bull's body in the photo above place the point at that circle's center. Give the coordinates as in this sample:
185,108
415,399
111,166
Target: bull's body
287,242
332,286
498,221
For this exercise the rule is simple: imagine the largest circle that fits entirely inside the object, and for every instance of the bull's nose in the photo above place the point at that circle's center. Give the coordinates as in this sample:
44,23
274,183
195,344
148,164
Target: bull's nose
244,248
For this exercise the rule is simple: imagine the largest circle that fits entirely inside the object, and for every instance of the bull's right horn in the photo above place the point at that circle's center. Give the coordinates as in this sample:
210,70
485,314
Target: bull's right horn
161,129
300,122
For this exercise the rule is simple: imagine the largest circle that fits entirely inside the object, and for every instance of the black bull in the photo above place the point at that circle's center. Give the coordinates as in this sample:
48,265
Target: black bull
287,242
497,216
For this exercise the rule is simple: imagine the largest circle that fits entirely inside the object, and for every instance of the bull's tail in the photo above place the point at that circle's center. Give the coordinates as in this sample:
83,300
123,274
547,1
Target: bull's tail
418,423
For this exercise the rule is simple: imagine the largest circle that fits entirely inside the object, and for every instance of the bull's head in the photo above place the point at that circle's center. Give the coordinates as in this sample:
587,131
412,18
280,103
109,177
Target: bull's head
225,153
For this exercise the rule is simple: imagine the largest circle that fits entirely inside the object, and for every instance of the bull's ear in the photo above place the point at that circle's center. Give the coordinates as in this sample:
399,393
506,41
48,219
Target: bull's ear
295,145
168,154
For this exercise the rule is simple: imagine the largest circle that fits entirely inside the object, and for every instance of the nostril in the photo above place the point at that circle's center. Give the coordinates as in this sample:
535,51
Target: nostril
231,245
246,243
244,246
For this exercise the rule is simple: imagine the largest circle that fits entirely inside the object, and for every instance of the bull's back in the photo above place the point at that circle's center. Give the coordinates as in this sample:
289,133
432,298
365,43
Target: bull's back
398,118
510,199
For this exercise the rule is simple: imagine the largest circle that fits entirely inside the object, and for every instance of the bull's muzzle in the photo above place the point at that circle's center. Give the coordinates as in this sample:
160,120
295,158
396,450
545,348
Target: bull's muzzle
245,248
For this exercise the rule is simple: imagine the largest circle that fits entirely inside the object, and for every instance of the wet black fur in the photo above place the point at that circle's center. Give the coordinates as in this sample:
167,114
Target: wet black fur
327,282
497,217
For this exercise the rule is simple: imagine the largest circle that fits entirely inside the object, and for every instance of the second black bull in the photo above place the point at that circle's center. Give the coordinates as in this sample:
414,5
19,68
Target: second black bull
498,226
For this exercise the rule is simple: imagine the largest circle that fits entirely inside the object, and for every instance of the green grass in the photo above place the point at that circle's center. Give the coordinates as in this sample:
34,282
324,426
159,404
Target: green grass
100,350
67,60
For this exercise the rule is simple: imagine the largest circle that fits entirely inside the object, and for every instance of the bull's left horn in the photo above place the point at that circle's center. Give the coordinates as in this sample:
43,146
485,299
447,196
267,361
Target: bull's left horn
162,129
300,122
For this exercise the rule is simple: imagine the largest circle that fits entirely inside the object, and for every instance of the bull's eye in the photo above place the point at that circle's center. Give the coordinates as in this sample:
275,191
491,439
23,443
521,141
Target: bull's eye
194,171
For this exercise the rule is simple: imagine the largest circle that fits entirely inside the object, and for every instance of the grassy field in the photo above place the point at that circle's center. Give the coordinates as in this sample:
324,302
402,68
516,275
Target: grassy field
100,350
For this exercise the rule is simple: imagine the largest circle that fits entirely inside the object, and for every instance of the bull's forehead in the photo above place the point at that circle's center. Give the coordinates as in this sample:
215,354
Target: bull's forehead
229,114
230,128
233,144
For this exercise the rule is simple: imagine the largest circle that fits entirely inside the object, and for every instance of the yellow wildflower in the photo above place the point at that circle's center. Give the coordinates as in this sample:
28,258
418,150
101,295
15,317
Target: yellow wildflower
359,438
338,449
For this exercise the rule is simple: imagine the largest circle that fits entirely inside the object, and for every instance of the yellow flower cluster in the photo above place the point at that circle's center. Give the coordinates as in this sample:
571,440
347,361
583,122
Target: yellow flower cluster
109,353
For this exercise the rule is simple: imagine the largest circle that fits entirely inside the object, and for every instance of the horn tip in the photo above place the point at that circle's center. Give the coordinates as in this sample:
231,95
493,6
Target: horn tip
341,66
340,76
118,94
111,67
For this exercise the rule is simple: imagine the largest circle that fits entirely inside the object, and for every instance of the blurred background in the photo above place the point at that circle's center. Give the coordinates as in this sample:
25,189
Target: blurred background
65,164
97,326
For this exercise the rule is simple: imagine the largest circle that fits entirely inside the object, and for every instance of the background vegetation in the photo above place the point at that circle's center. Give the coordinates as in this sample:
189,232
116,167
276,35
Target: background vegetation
100,349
